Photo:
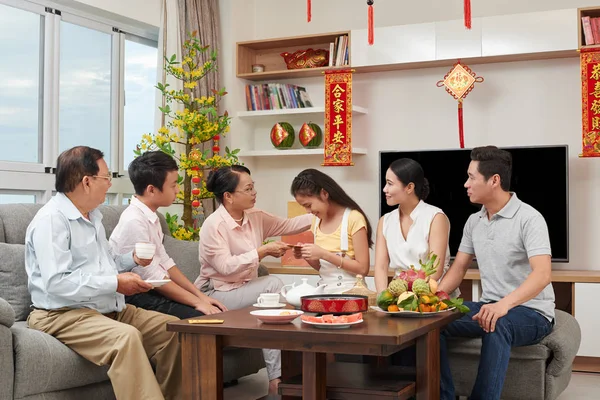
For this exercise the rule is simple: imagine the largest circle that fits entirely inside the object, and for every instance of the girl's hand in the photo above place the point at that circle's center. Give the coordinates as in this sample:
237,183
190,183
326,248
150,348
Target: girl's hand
312,252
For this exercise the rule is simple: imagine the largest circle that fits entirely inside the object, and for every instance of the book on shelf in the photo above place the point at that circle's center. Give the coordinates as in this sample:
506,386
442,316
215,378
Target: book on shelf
276,96
591,30
338,51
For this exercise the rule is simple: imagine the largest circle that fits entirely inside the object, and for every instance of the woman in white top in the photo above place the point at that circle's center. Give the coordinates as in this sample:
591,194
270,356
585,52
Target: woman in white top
408,234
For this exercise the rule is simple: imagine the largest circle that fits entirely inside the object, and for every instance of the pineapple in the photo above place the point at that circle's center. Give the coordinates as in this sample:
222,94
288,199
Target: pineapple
397,287
421,287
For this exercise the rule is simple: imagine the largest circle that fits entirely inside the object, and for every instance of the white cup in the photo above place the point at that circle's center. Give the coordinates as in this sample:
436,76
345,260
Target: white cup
268,299
145,250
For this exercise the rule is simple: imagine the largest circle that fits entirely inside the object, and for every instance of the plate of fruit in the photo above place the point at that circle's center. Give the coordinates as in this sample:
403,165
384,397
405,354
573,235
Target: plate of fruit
330,321
413,293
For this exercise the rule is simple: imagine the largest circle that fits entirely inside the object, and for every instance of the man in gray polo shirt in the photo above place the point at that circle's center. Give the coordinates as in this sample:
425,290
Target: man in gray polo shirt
511,243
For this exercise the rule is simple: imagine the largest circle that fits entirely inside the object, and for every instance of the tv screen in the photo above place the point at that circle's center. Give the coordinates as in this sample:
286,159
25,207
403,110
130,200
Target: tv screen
540,177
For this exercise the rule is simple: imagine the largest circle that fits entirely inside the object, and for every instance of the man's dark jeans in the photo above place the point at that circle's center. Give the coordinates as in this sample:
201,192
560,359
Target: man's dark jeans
154,301
522,326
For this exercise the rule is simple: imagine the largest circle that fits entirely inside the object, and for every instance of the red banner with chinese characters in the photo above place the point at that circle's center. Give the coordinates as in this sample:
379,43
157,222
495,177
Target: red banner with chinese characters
338,118
590,101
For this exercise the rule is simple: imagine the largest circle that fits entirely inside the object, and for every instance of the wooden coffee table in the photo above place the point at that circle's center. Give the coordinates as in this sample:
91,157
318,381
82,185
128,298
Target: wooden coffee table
378,335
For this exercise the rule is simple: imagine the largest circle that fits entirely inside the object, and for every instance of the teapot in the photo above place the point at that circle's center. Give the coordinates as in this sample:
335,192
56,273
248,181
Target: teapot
293,293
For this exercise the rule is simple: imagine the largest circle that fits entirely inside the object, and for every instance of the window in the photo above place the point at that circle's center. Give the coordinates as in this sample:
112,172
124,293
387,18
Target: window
17,198
85,88
20,85
126,199
140,92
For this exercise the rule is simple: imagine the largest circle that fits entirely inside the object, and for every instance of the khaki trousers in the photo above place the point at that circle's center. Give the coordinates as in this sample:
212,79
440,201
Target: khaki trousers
132,342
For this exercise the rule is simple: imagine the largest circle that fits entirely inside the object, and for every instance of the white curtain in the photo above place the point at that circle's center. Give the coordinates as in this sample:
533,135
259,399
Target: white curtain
169,43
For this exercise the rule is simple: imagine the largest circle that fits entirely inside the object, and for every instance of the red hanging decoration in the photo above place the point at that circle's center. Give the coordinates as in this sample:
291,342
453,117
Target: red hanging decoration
308,10
468,14
461,131
459,82
371,33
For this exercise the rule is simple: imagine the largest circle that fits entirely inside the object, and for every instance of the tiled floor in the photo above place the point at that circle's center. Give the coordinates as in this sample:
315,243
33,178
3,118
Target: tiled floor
581,387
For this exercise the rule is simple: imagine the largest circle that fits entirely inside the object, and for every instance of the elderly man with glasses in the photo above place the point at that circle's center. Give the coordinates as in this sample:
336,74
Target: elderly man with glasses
78,291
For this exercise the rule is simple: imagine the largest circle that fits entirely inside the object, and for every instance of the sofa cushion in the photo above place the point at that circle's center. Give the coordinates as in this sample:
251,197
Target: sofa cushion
110,217
472,347
13,279
15,219
43,364
185,254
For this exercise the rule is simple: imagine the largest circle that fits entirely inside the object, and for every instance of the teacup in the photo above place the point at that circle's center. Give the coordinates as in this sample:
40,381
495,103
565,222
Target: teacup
268,299
145,250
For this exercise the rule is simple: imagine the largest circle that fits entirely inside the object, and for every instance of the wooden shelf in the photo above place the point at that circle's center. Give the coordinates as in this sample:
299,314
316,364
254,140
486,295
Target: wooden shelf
593,12
293,111
268,53
293,152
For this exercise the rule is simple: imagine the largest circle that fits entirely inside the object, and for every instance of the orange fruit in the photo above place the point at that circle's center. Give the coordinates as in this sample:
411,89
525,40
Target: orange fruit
393,308
443,306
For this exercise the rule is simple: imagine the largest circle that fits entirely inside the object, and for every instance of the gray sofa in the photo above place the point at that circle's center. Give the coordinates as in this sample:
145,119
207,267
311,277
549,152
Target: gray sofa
34,365
538,372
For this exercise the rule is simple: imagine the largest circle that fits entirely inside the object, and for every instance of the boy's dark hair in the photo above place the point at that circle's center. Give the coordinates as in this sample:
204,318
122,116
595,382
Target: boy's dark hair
73,164
310,182
151,168
408,170
224,180
494,161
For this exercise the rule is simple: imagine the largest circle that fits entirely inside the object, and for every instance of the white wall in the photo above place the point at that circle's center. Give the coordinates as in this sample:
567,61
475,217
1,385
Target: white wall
147,11
520,103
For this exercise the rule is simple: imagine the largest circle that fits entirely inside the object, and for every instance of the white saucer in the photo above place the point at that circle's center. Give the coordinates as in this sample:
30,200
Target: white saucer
158,282
278,305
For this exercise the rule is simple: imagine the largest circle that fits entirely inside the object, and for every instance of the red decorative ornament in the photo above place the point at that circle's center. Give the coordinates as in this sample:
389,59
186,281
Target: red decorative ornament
468,14
216,137
195,203
459,82
371,37
308,10
216,149
195,168
196,179
195,192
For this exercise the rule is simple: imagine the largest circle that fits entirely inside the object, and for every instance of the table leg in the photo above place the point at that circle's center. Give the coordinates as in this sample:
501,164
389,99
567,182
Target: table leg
428,366
314,376
202,362
291,366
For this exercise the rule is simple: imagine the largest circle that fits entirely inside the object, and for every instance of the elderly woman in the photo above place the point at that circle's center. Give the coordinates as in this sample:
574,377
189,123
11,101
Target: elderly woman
231,247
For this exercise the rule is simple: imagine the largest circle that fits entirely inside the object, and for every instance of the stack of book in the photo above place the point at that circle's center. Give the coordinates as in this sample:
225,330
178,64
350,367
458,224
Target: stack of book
338,51
276,96
591,30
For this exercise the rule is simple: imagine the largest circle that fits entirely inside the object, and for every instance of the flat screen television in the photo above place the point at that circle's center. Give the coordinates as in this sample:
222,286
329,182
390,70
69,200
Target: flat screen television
540,177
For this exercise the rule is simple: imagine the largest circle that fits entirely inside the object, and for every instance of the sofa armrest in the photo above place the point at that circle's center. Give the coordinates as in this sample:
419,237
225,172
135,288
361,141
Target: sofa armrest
7,367
563,341
7,313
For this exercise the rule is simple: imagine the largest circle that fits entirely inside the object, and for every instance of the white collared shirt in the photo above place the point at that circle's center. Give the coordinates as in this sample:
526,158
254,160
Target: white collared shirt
68,260
139,224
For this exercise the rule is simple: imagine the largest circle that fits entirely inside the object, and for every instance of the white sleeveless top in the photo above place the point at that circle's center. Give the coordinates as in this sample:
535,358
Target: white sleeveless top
404,253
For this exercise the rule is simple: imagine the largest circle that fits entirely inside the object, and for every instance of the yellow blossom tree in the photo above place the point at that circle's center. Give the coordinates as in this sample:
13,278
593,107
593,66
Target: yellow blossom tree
186,131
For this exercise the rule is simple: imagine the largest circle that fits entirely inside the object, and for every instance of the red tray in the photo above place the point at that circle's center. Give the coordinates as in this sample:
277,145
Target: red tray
336,304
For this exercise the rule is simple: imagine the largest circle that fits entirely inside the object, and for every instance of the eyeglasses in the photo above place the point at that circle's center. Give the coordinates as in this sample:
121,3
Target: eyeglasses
248,191
109,176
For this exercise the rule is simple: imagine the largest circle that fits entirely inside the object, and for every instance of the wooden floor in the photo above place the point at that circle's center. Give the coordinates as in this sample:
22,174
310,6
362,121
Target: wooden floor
581,387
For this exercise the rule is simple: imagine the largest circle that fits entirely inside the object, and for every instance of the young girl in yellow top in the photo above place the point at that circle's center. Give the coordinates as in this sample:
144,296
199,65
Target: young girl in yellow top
341,229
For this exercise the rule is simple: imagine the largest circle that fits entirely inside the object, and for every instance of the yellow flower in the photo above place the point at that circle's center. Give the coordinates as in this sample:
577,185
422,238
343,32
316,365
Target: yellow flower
190,85
164,130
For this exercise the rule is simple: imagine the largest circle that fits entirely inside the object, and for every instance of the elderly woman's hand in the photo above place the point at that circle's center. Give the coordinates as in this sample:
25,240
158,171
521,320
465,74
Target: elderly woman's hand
274,249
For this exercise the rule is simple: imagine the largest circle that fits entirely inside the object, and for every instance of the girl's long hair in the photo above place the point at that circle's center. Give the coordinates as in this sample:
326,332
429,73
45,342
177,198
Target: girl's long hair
310,182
